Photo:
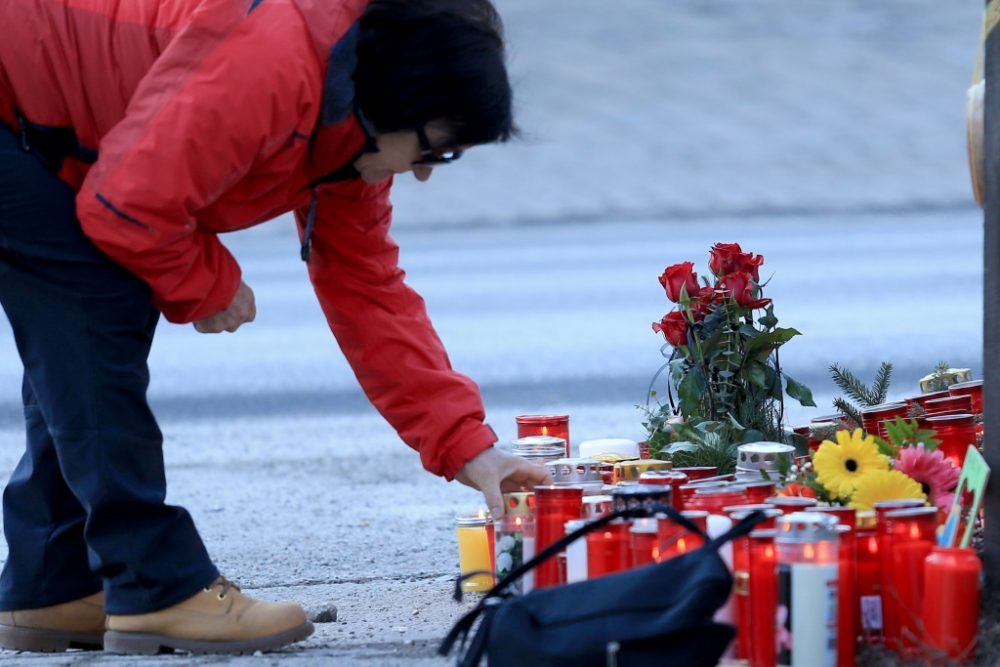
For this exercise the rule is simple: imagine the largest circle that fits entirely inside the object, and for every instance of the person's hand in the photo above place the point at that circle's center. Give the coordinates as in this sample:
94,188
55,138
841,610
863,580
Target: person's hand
243,309
495,472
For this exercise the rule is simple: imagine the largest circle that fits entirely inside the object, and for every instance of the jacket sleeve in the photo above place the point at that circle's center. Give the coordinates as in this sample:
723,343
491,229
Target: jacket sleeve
383,329
228,90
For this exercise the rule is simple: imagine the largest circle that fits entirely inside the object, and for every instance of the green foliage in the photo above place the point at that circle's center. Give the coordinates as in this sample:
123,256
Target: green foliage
906,433
858,391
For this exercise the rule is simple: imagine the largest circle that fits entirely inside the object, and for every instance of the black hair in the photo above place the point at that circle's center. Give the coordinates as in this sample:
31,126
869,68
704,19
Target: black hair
425,60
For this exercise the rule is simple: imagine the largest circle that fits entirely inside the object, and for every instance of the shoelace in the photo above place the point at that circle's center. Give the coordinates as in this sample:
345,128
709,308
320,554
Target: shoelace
226,586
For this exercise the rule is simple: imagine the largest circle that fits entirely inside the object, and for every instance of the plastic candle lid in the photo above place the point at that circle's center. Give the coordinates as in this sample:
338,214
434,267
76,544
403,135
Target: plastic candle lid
621,446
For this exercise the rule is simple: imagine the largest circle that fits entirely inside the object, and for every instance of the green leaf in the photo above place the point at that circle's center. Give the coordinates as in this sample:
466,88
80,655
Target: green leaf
690,392
752,435
754,373
768,340
681,446
768,320
886,448
799,392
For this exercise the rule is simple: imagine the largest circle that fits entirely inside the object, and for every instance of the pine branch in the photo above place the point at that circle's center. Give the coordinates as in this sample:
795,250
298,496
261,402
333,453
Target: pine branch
850,384
882,379
846,408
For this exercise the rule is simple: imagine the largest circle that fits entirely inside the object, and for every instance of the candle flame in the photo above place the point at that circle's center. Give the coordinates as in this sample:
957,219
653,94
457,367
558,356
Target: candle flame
809,552
517,520
545,430
914,531
481,514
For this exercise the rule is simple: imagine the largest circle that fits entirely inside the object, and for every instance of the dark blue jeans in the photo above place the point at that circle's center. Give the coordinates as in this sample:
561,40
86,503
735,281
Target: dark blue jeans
84,508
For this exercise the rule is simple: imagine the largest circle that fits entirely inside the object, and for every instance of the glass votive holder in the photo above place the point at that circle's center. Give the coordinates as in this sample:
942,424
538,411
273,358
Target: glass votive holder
644,545
868,579
554,425
674,539
515,536
951,604
608,549
475,550
696,473
790,504
956,433
973,390
912,534
763,598
873,416
960,402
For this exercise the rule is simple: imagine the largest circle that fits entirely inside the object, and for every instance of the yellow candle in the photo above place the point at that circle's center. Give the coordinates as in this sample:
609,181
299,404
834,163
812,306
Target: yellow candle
475,550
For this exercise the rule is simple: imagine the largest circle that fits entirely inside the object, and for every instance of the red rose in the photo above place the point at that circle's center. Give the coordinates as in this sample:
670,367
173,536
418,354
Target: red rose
722,258
674,327
677,276
701,306
740,286
730,258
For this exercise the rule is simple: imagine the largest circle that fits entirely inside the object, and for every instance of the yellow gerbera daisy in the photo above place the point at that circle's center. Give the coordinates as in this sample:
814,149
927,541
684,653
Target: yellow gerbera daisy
839,466
884,485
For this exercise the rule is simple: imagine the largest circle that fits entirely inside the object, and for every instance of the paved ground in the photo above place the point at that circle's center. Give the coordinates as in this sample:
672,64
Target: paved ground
827,137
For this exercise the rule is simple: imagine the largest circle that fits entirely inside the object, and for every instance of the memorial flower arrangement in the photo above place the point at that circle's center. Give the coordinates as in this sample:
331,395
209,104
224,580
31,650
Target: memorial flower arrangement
726,386
859,470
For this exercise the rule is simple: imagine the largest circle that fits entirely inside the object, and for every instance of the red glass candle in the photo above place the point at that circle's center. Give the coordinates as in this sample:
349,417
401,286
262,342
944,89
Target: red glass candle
951,603
847,596
644,543
554,425
973,390
554,506
759,492
868,579
741,572
921,399
789,504
607,549
912,534
695,473
763,586
656,477
714,498
675,540
956,433
871,417
948,403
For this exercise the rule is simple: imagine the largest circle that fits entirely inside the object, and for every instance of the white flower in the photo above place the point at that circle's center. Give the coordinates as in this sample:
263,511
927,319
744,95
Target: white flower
504,562
505,543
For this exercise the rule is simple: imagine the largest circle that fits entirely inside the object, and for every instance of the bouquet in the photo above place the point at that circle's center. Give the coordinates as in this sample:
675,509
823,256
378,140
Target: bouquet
726,385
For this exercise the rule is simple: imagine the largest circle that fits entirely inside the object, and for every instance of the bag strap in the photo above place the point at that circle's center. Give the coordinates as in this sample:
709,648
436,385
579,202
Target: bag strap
741,529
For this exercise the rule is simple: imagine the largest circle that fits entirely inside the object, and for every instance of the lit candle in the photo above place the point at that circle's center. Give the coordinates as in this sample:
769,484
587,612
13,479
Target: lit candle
741,571
644,546
475,550
675,539
554,506
868,579
912,534
847,600
512,530
554,425
890,615
607,549
763,598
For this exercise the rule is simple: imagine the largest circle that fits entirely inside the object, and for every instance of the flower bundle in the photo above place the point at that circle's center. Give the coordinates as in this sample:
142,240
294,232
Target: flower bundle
722,341
859,470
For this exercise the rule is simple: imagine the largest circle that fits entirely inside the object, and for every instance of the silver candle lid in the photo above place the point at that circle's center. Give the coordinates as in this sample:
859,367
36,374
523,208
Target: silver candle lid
574,471
538,442
770,457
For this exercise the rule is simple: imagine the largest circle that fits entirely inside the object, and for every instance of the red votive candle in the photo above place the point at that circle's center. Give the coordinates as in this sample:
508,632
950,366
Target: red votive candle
741,571
871,417
868,579
951,604
759,492
695,473
922,399
554,425
644,542
607,549
956,433
949,403
973,390
847,595
912,534
675,539
789,504
890,615
763,598
554,506
713,499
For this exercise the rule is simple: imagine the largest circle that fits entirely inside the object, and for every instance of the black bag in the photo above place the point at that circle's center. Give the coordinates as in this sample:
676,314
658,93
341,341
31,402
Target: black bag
659,614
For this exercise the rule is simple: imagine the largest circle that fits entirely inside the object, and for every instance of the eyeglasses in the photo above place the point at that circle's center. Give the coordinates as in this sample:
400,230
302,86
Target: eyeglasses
429,156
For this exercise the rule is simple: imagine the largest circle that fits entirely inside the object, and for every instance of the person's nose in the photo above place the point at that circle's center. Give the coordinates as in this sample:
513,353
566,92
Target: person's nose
422,174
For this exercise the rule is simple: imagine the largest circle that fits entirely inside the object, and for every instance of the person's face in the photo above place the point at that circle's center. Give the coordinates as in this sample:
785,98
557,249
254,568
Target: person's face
397,153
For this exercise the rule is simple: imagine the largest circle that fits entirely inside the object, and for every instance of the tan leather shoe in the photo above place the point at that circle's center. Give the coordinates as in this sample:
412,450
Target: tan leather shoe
219,619
74,624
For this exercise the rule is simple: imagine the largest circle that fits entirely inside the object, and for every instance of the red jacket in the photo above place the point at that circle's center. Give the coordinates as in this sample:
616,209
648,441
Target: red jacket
214,115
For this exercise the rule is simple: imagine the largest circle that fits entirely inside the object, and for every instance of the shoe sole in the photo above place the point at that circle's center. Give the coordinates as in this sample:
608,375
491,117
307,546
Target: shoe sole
47,641
141,643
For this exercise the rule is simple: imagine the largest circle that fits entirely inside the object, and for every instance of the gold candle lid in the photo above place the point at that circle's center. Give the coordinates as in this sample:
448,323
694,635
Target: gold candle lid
519,502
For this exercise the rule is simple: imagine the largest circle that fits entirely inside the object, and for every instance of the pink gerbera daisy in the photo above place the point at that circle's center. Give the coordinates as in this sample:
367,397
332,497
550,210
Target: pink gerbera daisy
936,474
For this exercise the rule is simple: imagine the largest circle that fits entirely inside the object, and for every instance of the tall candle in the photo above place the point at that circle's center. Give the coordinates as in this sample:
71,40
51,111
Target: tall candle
868,579
741,571
763,598
475,533
890,615
554,506
607,549
912,535
847,600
